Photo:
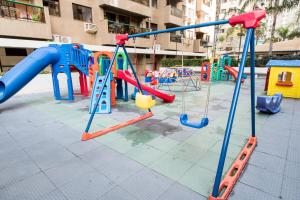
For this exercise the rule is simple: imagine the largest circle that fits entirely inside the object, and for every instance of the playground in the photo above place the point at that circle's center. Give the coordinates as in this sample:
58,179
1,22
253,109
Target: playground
106,132
48,160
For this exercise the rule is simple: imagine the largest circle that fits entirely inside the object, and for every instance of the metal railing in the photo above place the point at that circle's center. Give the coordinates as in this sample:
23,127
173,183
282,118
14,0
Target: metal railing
176,12
115,27
21,11
143,2
175,37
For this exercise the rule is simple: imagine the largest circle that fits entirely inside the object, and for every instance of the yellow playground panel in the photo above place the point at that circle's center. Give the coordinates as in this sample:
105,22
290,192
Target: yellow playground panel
284,77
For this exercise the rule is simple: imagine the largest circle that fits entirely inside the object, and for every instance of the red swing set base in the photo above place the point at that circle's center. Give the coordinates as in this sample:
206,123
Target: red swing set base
86,136
235,170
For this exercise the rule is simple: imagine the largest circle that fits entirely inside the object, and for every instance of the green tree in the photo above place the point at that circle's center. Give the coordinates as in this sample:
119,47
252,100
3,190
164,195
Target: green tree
221,38
283,33
274,8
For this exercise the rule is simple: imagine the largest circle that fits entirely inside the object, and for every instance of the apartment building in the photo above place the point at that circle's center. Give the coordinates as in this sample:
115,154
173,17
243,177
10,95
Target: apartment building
30,24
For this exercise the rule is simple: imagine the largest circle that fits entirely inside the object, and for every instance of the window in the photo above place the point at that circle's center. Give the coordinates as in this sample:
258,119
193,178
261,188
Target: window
53,5
154,3
154,27
15,52
124,19
82,13
285,79
23,11
110,16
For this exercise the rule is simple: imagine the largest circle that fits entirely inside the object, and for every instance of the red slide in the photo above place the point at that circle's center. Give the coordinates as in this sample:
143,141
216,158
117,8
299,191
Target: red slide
126,76
233,72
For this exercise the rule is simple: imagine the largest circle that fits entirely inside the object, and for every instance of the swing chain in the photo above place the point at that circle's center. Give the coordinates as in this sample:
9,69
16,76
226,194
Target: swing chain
183,88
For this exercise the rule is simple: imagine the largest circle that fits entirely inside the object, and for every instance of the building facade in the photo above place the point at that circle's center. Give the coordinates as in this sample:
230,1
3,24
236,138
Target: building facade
95,22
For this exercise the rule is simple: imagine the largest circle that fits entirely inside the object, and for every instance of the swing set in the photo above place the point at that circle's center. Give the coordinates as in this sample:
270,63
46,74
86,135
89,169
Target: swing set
221,188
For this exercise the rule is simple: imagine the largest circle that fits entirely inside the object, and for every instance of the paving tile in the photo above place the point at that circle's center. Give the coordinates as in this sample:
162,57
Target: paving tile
108,138
187,152
30,188
232,151
149,187
268,162
293,154
198,179
203,141
117,193
180,192
144,154
290,189
68,171
123,145
82,147
245,192
273,149
12,157
171,166
262,179
211,159
162,143
89,186
292,170
54,195
49,156
114,165
17,172
294,140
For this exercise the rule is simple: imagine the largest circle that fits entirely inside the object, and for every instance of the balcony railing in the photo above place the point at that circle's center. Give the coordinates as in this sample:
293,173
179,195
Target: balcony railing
176,12
114,27
21,11
143,2
175,38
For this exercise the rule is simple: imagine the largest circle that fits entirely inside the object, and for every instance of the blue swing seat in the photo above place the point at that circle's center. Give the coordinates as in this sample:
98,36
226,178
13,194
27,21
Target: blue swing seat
185,121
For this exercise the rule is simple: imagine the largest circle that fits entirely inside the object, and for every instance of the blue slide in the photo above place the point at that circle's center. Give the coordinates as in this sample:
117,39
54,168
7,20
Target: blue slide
16,78
269,104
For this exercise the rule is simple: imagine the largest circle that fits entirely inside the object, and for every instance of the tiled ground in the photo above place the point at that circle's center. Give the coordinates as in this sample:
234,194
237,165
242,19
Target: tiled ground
42,157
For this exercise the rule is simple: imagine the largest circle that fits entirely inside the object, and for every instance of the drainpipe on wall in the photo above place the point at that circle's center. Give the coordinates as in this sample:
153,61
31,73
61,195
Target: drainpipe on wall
1,67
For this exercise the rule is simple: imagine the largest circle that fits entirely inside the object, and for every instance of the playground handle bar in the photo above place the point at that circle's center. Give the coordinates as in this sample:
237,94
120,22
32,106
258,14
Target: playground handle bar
181,28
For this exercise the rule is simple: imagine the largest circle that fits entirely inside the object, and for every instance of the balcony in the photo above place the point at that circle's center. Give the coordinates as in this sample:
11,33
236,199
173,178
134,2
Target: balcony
139,8
21,11
199,45
172,41
114,27
17,17
176,12
111,28
173,16
143,2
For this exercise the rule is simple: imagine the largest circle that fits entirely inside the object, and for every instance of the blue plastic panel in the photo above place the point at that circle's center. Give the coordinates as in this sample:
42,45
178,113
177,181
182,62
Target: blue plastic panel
104,105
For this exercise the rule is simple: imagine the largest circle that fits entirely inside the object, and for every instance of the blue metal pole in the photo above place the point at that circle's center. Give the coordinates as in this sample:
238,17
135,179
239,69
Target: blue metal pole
181,28
231,115
102,89
252,65
133,71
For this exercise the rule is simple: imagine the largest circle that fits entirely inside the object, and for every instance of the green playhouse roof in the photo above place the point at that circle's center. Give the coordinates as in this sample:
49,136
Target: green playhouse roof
283,63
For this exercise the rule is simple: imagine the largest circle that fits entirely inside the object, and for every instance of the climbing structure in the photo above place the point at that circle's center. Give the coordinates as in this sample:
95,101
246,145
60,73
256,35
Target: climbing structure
73,58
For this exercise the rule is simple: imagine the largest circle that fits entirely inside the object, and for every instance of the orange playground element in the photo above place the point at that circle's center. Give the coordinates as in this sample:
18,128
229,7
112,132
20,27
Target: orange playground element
87,136
235,170
95,68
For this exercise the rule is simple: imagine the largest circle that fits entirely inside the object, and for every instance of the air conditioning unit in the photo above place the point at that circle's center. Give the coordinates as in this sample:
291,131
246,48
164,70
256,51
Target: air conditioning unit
156,47
61,39
90,28
56,38
65,39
